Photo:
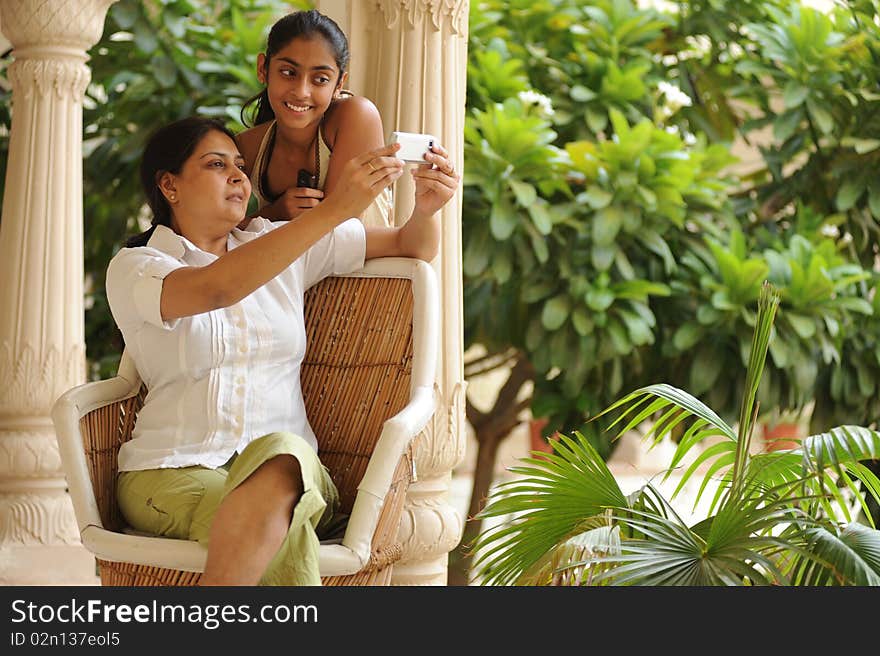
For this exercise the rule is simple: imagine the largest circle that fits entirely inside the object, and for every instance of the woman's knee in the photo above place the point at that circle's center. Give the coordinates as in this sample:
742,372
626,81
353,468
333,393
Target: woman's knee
283,474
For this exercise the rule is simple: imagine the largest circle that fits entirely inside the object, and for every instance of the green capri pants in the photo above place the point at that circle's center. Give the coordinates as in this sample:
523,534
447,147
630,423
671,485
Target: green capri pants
181,502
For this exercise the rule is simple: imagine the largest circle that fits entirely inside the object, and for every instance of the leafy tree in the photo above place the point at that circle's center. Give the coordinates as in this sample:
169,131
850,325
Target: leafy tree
554,256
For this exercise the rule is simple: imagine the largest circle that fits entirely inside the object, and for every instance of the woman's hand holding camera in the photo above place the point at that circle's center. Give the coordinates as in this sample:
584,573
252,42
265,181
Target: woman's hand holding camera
436,181
364,177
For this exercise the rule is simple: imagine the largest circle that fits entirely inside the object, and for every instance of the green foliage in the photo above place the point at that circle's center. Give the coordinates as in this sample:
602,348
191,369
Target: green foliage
777,518
643,107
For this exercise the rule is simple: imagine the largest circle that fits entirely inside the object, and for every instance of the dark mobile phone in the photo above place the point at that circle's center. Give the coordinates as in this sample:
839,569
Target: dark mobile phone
306,179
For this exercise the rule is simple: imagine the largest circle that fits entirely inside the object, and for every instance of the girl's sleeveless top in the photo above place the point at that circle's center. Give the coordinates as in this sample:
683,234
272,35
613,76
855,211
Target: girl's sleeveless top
378,214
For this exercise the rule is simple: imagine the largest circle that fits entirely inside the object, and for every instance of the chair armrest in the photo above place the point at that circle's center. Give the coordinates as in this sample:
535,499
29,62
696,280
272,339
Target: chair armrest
426,309
67,412
399,430
397,433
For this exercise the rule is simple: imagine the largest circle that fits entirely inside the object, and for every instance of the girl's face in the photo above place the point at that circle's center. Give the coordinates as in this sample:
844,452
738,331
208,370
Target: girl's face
209,195
301,80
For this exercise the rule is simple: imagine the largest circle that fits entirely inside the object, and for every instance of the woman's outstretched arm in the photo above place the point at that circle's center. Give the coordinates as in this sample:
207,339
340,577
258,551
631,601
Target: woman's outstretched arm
193,290
420,236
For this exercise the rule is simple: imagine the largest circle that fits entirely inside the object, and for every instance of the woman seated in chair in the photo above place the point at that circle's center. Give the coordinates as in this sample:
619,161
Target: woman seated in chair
212,316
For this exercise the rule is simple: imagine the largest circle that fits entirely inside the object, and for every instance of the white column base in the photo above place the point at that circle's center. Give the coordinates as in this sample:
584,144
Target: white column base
47,565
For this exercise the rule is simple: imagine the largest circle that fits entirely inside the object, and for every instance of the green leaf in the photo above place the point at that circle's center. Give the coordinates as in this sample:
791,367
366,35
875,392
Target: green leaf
583,324
786,123
533,291
176,24
861,146
805,327
580,93
144,38
848,194
687,335
597,121
165,71
656,244
821,116
639,331
501,266
556,311
794,94
606,224
599,299
874,201
597,198
602,257
524,192
704,370
541,217
125,14
476,253
503,219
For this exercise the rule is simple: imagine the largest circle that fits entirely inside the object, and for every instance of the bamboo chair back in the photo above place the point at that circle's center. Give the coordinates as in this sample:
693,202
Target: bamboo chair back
355,375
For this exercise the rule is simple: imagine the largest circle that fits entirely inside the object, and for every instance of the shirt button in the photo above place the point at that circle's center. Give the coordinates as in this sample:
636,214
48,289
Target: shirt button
240,391
239,380
242,349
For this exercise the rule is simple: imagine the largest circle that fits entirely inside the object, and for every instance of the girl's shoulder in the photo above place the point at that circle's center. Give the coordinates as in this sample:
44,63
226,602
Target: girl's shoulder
350,113
248,141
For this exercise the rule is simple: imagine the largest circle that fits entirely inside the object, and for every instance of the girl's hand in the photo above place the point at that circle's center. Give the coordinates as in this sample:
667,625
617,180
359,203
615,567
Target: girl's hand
364,177
295,201
435,181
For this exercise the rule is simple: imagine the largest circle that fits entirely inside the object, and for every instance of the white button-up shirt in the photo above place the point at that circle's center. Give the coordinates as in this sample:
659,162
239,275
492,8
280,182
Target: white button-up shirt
218,380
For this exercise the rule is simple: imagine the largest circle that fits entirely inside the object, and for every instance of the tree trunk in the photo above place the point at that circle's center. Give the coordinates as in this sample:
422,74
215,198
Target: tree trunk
491,429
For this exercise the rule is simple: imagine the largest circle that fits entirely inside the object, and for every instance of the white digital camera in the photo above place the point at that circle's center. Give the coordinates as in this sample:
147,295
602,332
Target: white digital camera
412,146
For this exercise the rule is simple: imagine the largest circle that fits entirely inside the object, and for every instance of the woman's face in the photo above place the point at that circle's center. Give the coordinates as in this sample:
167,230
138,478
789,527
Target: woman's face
210,193
301,80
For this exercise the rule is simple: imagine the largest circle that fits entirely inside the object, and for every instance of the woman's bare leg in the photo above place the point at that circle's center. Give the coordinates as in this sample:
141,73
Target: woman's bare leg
252,522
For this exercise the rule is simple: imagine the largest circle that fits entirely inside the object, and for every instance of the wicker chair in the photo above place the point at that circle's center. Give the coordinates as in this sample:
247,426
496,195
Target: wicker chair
368,380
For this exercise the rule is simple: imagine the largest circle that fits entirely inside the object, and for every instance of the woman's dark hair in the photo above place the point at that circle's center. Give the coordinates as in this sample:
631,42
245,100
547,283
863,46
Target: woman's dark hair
167,149
299,24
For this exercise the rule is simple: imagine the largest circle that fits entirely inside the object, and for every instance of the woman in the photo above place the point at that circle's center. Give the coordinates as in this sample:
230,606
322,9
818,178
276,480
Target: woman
306,126
212,316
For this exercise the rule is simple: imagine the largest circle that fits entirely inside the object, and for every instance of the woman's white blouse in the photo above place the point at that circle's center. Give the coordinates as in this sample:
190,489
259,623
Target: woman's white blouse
218,380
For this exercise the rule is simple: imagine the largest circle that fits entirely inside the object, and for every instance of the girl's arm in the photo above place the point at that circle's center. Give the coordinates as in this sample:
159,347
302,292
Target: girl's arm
227,280
353,126
420,236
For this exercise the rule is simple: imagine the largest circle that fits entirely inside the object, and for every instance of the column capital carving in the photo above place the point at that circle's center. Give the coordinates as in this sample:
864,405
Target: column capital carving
429,527
34,519
53,25
28,454
449,15
441,445
33,378
66,78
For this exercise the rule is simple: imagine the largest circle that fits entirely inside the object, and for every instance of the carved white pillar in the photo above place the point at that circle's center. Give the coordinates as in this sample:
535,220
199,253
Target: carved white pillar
42,348
410,58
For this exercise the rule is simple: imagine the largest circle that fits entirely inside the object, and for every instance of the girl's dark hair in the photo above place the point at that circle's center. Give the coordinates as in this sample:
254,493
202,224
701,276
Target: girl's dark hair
299,24
167,149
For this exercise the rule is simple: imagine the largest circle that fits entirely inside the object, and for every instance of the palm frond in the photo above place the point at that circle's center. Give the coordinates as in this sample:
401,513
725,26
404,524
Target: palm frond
553,501
768,302
850,557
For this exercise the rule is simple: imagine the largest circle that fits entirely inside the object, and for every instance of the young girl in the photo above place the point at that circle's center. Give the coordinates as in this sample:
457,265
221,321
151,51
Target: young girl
306,126
222,451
